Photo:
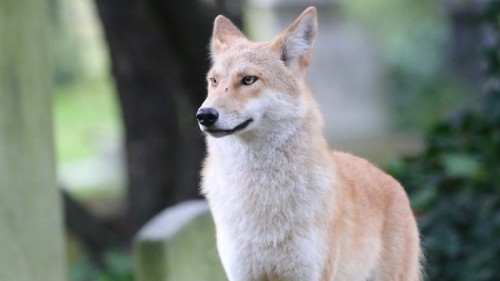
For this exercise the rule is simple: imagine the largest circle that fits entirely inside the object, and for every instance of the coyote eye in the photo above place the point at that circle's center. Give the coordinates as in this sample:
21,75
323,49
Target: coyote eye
248,80
213,82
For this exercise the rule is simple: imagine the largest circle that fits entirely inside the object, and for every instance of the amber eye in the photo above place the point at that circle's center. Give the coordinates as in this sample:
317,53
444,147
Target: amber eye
248,80
213,82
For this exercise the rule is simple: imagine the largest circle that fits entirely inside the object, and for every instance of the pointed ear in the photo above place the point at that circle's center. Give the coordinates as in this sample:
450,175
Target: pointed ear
224,34
295,44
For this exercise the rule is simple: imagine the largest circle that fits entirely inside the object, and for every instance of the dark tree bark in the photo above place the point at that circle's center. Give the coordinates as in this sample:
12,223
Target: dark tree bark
159,58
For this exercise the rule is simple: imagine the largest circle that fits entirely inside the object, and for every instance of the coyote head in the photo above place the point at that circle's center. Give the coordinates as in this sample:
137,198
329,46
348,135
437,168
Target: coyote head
253,87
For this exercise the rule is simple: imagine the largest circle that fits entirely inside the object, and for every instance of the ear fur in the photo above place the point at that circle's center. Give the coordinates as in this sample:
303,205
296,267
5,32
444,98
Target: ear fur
223,35
295,44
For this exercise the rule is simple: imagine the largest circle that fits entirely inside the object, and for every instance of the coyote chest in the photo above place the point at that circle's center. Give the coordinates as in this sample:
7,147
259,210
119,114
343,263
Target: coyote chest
267,210
273,192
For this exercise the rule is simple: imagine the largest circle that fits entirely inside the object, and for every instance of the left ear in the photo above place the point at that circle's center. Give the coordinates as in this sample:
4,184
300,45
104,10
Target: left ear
295,44
224,34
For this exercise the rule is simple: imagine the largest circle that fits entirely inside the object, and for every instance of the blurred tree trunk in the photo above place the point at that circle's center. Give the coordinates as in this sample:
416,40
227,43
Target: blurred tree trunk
31,228
159,58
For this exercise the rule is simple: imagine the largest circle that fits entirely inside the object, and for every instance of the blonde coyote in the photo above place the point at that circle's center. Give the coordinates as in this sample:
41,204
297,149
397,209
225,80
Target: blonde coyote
286,207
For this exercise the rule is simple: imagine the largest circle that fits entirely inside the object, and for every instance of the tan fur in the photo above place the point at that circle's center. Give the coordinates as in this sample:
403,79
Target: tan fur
284,205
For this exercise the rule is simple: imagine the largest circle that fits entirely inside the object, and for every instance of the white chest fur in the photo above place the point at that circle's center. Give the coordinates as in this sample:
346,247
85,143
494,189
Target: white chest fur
268,204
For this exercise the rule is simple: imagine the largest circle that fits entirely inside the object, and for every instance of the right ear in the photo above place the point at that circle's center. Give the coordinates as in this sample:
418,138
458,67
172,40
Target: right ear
224,34
295,44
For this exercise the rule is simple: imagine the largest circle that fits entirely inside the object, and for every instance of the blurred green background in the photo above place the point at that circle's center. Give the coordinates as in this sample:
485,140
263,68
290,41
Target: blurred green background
438,75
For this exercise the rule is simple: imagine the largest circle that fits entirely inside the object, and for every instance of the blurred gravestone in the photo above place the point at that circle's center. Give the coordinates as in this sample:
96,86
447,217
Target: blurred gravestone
31,232
178,245
345,74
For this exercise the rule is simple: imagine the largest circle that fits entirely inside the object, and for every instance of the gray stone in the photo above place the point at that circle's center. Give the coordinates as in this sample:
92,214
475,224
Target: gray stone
178,245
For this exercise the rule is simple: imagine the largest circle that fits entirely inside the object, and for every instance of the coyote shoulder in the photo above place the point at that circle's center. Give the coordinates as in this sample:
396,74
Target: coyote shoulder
286,207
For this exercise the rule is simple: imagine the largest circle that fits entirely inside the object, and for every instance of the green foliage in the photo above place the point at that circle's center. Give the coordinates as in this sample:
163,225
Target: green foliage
117,266
454,190
85,112
454,184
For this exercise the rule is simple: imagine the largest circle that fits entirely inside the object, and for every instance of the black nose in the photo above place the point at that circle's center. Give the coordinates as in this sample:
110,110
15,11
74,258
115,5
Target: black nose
207,116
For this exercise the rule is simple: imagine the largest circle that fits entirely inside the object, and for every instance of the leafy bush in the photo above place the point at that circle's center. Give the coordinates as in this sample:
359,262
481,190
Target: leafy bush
116,266
455,184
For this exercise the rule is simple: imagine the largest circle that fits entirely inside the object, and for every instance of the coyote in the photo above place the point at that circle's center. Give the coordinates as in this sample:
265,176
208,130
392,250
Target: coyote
285,206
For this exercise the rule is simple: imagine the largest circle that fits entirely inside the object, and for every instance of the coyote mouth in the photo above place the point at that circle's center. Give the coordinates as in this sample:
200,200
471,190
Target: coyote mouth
223,132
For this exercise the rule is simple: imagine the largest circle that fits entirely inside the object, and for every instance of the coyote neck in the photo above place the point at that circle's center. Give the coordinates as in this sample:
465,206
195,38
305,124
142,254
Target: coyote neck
277,180
294,148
